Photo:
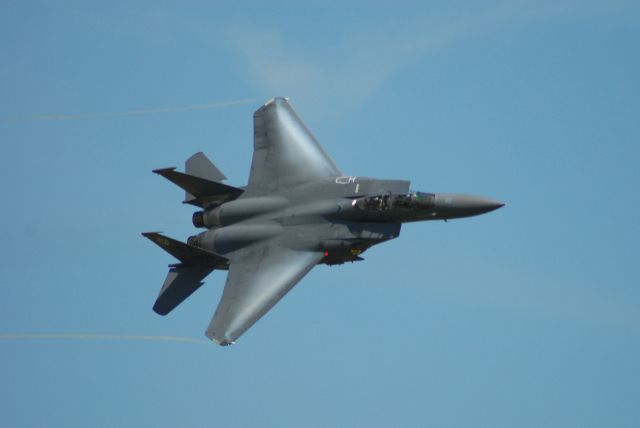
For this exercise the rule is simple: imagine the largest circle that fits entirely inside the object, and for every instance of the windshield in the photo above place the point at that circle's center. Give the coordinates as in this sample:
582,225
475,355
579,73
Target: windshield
411,200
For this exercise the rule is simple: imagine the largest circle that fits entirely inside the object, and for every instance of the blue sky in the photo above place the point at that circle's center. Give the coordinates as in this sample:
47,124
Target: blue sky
528,316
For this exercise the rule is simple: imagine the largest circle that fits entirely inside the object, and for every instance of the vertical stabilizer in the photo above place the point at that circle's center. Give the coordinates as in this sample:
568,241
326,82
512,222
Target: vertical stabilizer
199,165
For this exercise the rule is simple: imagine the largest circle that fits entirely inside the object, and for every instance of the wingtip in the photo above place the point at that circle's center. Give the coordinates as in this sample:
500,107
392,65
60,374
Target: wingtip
218,340
160,171
222,342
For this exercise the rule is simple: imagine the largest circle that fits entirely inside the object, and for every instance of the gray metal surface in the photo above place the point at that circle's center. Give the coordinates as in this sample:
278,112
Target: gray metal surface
199,165
285,152
297,211
259,276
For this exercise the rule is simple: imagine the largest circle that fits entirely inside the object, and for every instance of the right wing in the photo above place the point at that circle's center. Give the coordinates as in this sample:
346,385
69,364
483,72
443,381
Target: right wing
285,152
259,276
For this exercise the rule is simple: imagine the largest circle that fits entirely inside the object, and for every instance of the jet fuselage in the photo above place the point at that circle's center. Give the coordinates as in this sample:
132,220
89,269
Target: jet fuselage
340,216
297,210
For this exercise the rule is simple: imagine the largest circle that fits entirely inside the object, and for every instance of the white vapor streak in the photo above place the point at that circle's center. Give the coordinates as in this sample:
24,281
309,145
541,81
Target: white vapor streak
59,117
83,336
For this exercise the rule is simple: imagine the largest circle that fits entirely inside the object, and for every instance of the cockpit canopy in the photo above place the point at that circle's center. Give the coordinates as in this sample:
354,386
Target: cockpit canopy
402,201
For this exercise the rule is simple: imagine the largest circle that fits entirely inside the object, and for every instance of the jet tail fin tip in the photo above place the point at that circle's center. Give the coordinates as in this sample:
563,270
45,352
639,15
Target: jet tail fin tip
199,165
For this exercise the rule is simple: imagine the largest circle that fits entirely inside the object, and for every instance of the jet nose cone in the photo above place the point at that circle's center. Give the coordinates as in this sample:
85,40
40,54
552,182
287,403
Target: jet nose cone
466,205
477,204
486,204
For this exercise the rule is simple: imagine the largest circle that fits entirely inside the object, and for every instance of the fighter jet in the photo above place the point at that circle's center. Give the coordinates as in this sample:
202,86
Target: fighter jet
297,211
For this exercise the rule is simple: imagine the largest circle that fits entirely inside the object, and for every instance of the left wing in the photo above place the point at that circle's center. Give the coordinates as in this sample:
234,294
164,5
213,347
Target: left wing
259,276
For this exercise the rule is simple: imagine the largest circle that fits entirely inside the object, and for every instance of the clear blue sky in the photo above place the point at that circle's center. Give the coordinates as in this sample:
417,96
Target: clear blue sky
525,317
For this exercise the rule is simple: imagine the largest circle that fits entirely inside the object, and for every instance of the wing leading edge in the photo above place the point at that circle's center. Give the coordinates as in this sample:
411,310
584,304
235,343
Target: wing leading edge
259,276
285,152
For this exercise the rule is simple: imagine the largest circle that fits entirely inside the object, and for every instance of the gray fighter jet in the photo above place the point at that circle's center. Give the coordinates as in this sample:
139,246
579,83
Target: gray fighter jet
297,211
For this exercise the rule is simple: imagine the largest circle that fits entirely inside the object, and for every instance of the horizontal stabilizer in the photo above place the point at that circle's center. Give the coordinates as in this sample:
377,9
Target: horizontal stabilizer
180,283
187,254
203,191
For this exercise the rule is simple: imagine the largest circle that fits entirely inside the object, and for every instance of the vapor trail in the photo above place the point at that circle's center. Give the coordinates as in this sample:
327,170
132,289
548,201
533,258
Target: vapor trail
82,336
59,117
